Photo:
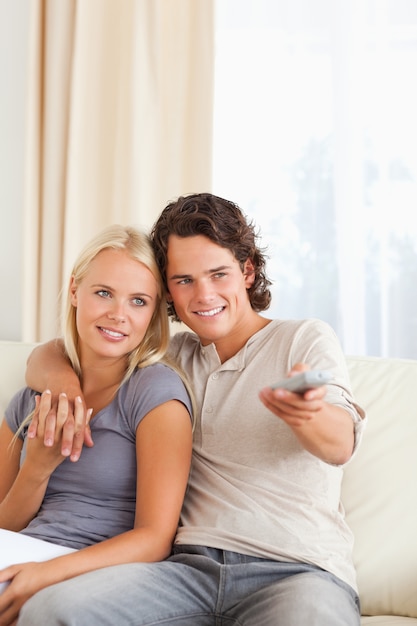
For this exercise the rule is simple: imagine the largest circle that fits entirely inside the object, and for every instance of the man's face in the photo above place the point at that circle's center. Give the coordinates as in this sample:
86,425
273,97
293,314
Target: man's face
208,287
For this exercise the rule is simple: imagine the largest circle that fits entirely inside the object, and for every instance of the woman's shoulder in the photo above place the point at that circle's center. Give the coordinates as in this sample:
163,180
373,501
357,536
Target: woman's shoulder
149,387
158,380
157,372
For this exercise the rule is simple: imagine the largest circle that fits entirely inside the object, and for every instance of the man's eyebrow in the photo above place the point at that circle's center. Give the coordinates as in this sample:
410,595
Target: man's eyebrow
209,271
177,276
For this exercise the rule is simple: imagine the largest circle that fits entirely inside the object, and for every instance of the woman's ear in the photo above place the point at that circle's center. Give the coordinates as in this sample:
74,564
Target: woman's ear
73,291
249,273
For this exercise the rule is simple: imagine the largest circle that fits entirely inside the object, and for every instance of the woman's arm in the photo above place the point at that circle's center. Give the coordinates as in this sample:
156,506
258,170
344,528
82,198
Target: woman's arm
9,459
163,445
49,368
21,491
22,487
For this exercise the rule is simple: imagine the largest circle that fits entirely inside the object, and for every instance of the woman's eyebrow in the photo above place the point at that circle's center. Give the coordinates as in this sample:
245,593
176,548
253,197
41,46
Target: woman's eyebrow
135,294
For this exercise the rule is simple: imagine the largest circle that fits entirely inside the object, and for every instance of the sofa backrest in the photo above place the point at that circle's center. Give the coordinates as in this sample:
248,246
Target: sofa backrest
13,356
379,487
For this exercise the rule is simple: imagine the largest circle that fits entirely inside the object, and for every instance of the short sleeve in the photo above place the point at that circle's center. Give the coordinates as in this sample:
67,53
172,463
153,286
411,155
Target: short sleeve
19,407
148,388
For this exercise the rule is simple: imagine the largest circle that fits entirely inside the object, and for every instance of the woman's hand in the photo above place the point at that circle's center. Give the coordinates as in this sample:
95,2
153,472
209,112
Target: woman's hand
57,422
44,449
23,583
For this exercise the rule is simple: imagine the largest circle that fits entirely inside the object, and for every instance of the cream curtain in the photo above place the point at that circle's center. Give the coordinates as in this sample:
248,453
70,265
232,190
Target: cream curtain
120,100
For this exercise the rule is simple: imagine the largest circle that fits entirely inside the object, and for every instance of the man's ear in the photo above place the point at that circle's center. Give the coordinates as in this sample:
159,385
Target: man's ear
73,291
249,273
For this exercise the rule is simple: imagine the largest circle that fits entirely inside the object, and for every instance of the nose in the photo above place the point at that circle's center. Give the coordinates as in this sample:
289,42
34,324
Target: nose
203,291
117,314
117,318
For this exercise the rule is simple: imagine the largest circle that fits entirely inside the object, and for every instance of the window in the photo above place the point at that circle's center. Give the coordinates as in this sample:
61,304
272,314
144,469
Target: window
315,137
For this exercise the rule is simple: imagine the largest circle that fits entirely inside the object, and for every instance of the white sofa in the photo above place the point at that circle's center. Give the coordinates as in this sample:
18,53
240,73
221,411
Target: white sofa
379,488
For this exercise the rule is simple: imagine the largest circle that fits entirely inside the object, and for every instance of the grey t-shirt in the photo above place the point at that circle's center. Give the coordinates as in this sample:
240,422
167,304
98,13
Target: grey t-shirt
95,498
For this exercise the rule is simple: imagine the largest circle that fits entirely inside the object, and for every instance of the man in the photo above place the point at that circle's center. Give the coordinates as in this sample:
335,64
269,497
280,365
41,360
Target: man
262,539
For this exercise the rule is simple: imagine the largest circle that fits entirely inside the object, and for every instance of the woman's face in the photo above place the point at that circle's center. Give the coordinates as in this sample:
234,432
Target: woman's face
115,302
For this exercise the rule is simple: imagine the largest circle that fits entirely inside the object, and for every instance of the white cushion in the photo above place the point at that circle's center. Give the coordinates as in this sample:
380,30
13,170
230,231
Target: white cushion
379,487
13,356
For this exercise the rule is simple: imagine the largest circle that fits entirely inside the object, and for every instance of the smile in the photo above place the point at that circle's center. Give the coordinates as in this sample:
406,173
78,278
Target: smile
212,312
111,333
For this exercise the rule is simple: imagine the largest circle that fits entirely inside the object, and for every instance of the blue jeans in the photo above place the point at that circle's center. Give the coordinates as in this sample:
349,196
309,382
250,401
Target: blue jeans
198,586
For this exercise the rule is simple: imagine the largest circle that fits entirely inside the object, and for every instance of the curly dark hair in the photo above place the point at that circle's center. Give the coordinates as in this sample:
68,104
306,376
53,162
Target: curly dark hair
224,223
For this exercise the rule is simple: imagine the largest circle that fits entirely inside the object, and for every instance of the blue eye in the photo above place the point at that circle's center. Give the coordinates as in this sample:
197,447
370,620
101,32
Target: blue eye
139,302
103,293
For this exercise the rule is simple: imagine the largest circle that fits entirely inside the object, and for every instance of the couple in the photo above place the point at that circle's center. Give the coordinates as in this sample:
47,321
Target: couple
262,540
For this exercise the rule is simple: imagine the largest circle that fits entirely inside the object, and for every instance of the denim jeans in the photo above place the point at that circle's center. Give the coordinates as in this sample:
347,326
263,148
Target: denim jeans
198,586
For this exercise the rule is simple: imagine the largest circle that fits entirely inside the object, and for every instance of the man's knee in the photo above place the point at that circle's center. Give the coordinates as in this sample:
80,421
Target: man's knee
322,599
315,598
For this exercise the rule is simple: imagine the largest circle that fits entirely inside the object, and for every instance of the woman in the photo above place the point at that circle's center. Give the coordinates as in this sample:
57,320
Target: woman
107,505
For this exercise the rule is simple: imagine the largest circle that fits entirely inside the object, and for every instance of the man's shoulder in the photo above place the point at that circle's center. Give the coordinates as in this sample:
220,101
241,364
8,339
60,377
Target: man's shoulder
290,327
183,340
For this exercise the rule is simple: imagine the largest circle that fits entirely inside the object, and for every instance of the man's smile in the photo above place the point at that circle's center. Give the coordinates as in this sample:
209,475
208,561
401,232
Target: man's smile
212,312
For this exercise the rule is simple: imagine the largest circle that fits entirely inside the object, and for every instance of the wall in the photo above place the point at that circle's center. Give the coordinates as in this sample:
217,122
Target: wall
14,22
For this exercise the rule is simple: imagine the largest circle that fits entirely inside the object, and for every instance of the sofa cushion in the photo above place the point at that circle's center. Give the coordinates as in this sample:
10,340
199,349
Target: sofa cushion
13,356
388,620
379,487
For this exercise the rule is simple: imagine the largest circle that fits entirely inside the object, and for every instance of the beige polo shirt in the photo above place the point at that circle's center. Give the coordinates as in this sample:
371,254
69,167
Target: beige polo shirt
253,489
